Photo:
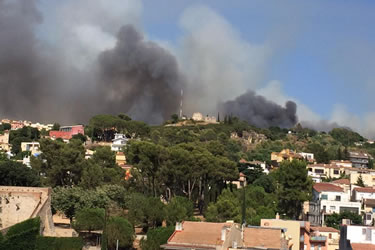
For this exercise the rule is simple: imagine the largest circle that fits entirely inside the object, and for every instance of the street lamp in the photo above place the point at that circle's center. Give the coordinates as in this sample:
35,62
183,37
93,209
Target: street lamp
243,184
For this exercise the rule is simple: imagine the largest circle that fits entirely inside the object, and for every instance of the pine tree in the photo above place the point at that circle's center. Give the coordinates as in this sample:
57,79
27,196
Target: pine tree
360,181
339,154
218,117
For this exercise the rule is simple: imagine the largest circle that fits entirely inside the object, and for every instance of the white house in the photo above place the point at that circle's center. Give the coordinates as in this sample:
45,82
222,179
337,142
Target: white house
357,237
119,142
361,193
308,156
333,199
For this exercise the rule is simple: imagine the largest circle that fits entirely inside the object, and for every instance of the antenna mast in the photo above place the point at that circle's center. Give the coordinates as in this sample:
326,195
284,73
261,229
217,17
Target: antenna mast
182,94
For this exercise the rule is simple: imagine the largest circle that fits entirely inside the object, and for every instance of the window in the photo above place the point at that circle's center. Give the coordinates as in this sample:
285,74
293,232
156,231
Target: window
368,216
324,197
329,236
324,208
319,171
335,172
363,231
332,208
338,198
310,169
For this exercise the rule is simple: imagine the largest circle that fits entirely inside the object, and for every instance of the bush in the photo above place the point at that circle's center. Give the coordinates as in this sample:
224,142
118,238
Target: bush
53,243
89,219
156,237
119,228
22,235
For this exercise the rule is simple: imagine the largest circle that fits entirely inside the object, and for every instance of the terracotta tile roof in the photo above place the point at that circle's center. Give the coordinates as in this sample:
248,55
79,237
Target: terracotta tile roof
360,246
369,202
198,233
364,189
320,187
342,181
325,229
258,237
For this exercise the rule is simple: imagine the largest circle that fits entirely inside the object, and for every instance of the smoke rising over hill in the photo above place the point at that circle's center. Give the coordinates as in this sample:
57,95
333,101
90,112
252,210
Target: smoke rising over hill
260,112
131,75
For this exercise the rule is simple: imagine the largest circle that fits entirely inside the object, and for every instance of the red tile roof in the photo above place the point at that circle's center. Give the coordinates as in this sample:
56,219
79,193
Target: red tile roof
320,187
325,229
360,246
198,233
267,238
365,189
342,181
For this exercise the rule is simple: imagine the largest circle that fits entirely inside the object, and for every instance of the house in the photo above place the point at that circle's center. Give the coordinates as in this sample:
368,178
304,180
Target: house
285,155
307,156
66,132
322,171
204,235
342,163
360,193
16,125
343,183
368,211
359,159
265,238
21,203
229,235
197,116
330,199
367,178
33,147
332,235
4,141
357,237
119,142
120,158
299,232
251,164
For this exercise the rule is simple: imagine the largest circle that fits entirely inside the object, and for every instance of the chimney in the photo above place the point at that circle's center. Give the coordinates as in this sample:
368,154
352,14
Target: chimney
346,222
179,226
277,216
223,233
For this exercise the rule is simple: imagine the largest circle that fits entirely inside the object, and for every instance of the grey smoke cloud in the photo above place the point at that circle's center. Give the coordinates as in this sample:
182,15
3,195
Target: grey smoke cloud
38,83
259,111
142,78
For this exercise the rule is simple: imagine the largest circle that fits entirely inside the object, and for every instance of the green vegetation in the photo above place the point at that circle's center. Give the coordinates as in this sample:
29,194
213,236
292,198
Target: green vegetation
156,237
176,170
335,219
58,243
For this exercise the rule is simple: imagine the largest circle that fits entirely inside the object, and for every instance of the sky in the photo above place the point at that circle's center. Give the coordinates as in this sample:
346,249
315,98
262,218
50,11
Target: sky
320,54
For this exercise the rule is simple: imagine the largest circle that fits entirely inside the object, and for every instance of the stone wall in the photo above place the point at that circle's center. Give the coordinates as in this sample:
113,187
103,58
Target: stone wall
21,203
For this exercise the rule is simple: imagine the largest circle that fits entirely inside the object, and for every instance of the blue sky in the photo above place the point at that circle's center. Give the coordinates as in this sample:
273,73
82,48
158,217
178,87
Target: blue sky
323,52
326,33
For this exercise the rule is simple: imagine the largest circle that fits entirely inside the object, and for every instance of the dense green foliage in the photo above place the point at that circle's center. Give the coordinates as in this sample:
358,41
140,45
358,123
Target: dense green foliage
346,136
294,187
16,174
120,229
335,219
22,235
25,134
58,243
89,219
175,170
156,237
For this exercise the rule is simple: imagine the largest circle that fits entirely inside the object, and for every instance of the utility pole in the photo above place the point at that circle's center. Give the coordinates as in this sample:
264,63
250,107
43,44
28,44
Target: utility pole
104,235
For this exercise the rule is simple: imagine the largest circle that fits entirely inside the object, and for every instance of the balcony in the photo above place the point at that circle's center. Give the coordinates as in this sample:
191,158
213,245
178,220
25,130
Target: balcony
318,238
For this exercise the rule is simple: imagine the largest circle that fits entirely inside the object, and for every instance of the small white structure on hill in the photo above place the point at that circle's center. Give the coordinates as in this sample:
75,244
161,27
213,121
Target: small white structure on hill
119,142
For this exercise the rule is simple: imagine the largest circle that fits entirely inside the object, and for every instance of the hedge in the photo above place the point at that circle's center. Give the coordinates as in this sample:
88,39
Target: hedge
22,235
54,243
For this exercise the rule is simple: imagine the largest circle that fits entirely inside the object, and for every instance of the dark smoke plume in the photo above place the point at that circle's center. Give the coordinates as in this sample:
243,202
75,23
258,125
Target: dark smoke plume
140,77
260,112
135,77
